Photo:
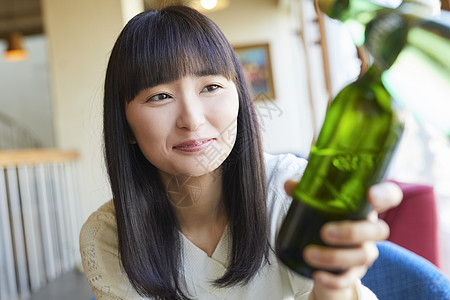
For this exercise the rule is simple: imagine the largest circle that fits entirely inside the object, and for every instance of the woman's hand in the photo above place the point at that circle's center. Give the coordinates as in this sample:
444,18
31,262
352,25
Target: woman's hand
357,249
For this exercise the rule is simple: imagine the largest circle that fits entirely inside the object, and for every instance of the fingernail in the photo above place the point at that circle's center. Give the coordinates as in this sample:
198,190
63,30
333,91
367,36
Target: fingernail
312,253
322,278
331,230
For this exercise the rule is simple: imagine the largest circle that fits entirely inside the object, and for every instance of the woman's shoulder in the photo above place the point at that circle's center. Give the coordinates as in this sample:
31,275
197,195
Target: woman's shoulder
284,165
100,255
99,231
103,219
279,169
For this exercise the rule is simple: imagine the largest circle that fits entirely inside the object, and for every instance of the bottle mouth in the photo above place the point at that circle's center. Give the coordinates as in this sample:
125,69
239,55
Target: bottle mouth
385,37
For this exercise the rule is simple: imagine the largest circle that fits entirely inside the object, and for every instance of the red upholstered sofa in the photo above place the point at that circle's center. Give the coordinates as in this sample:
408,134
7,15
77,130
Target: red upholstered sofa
414,223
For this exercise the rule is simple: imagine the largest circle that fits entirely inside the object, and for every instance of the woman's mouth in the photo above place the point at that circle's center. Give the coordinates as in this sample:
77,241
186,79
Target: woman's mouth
193,145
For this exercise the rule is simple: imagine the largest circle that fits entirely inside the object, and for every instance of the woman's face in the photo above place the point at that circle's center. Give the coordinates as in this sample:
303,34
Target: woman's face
188,126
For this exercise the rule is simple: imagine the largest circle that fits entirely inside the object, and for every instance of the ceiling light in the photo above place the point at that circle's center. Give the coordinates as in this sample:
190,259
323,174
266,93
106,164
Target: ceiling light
208,4
15,51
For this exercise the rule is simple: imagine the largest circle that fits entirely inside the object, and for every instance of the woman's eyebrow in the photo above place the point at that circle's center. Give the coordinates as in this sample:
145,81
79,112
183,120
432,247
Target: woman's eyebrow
205,72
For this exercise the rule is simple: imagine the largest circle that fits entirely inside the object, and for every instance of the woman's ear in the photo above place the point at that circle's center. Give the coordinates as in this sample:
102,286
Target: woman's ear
130,134
131,139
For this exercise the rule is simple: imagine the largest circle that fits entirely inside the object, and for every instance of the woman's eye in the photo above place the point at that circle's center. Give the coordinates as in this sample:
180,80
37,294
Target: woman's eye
158,97
211,88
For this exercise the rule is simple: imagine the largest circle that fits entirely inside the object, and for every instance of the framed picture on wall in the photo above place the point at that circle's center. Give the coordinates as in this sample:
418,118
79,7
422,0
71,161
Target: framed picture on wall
257,66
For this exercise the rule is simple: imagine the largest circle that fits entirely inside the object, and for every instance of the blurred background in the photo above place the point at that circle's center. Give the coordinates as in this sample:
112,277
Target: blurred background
51,90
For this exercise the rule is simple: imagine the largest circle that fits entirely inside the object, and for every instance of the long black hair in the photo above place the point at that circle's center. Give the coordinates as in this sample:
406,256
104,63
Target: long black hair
157,47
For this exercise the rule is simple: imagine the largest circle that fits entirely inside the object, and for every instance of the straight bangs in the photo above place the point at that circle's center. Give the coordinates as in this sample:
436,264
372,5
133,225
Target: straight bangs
166,45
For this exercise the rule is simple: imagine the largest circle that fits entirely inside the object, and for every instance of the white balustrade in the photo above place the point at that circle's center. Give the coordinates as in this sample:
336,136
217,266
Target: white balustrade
40,219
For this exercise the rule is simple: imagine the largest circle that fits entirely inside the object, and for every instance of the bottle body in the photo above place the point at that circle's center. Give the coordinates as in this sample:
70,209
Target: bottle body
355,144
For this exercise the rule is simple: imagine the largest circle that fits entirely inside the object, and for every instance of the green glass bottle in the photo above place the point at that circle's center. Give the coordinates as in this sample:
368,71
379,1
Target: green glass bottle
358,137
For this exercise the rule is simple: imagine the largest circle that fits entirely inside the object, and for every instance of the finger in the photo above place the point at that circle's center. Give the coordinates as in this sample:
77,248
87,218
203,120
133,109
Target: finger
289,186
319,293
339,281
372,216
348,233
336,287
335,259
384,196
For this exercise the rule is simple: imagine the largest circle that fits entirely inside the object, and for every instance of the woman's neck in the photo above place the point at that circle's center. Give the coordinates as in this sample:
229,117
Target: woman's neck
198,205
196,201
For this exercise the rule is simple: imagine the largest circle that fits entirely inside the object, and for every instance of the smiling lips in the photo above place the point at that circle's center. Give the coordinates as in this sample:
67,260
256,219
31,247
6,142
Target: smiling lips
194,145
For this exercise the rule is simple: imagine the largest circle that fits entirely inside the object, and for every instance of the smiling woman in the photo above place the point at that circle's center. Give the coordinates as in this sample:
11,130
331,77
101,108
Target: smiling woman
187,93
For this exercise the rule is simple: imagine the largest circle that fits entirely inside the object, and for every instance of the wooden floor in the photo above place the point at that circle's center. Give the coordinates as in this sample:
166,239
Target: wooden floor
70,286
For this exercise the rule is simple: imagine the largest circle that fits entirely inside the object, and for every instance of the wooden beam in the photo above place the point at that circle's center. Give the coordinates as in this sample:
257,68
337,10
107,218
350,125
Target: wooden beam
36,156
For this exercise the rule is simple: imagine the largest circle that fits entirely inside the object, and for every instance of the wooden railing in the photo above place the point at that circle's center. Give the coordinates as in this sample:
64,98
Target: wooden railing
40,219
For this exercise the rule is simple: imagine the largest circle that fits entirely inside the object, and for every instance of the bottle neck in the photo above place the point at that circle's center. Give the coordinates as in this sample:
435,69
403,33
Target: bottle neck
373,73
355,14
386,36
344,10
363,11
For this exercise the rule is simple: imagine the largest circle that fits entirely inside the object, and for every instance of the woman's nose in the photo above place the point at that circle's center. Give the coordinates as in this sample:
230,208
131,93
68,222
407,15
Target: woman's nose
191,115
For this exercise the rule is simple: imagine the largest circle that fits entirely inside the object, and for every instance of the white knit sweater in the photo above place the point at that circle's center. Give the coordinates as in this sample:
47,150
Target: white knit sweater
99,251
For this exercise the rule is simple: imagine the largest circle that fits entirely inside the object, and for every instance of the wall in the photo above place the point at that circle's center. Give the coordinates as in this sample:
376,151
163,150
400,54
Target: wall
25,94
81,35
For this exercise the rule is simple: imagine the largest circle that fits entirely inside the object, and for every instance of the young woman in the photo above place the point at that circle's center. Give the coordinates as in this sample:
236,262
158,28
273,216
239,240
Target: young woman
196,203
